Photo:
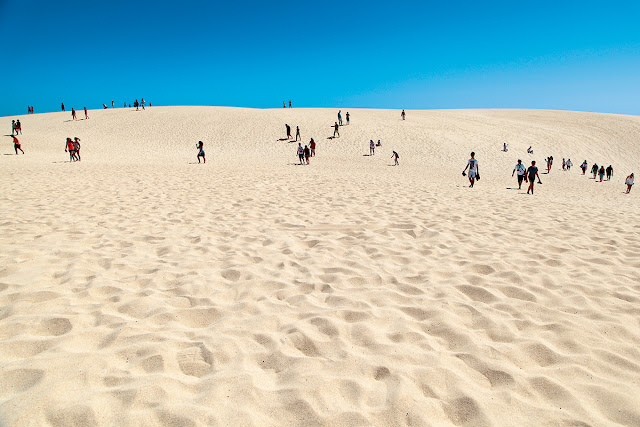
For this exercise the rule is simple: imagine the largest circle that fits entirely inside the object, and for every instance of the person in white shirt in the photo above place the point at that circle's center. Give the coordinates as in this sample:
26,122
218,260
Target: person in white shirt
521,172
472,165
569,164
629,182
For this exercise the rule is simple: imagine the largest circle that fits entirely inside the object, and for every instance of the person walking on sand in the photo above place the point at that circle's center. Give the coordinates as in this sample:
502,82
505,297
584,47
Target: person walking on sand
62,106
16,145
569,164
583,166
86,116
73,114
76,147
472,164
200,147
395,157
372,147
403,114
113,105
312,145
70,149
533,174
504,147
18,127
629,182
298,133
288,131
284,105
609,172
125,105
594,170
307,153
142,103
520,168
601,172
347,117
340,117
136,104
289,103
564,164
300,153
336,130
530,150
13,127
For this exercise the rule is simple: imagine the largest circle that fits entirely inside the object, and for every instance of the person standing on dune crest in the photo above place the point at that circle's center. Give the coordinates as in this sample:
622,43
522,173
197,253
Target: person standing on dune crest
403,114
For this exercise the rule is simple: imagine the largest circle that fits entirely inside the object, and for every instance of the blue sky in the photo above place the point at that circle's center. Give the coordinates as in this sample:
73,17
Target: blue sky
576,55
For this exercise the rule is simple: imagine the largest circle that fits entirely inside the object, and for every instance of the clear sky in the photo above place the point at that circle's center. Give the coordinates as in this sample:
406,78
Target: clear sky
577,55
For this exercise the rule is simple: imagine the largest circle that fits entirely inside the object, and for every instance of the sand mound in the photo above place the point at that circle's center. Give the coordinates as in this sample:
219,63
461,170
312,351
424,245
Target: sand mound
139,288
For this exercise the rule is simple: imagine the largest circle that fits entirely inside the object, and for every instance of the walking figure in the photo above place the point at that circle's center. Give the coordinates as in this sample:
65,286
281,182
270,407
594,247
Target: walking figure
395,157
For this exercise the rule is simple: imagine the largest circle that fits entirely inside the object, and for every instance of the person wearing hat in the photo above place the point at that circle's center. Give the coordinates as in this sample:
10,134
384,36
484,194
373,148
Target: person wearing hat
521,172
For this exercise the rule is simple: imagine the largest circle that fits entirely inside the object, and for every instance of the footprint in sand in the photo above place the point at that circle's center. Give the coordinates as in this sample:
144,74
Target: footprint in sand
195,361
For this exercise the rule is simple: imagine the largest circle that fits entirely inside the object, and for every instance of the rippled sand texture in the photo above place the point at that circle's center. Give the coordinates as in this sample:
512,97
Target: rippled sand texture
138,288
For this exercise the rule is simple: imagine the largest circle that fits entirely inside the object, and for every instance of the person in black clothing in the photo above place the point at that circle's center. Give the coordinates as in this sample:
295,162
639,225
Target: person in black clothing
288,131
609,172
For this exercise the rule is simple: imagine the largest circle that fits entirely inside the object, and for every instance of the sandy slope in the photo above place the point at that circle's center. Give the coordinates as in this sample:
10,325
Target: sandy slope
138,288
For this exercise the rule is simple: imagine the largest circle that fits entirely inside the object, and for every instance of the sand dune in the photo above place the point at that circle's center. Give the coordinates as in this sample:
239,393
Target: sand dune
139,288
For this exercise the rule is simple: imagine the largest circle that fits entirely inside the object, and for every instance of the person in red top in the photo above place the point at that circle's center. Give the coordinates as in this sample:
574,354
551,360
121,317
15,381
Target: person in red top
16,144
69,147
312,145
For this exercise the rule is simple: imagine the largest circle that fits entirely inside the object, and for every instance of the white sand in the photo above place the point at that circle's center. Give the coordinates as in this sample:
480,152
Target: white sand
137,288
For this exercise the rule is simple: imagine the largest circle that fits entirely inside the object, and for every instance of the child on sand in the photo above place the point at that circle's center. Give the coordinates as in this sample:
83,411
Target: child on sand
69,147
301,153
533,174
472,164
200,147
298,133
372,148
395,157
312,144
307,153
16,145
336,130
629,182
521,172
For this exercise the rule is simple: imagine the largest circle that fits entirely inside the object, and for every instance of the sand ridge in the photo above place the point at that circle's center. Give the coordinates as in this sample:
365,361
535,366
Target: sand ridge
139,288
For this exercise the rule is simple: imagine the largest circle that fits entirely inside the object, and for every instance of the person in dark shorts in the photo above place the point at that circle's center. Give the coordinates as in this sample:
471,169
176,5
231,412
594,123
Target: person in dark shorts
16,145
18,127
347,117
609,172
69,147
601,172
312,145
288,131
336,130
289,104
62,106
520,168
298,133
583,166
200,147
594,170
307,153
532,173
73,114
372,147
569,164
13,127
395,157
472,164
76,147
403,114
86,116
301,153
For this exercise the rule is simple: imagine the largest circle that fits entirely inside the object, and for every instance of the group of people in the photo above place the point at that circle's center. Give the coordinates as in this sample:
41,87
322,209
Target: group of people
73,147
531,173
340,117
16,127
306,152
29,109
285,105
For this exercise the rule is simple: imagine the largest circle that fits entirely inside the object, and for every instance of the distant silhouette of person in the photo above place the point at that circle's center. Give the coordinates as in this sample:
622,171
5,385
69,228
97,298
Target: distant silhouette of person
298,133
73,114
340,117
288,131
289,104
336,130
403,114
86,116
307,153
609,172
200,147
372,147
347,117
301,153
112,104
63,106
312,145
395,157
629,182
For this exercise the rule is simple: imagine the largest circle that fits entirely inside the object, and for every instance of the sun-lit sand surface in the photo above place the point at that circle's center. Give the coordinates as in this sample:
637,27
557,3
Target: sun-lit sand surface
139,288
